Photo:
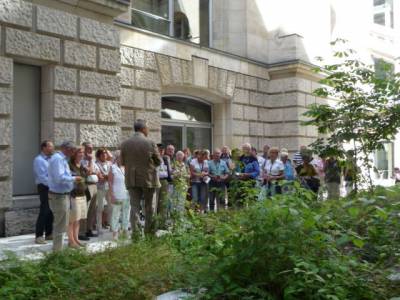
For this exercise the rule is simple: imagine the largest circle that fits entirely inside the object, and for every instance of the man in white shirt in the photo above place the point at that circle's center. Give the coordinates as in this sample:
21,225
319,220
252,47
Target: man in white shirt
44,223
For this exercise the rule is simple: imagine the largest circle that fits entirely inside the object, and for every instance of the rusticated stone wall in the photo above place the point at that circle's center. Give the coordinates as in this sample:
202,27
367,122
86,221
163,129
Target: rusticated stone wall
253,109
80,59
94,88
80,87
6,96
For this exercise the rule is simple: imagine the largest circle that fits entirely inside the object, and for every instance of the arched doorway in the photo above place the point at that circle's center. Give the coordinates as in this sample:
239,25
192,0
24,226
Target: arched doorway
186,122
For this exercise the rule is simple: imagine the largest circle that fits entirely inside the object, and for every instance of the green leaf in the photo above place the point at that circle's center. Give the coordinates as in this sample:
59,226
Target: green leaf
354,211
343,240
358,243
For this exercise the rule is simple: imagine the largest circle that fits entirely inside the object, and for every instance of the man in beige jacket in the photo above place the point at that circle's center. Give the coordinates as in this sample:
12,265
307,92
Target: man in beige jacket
140,157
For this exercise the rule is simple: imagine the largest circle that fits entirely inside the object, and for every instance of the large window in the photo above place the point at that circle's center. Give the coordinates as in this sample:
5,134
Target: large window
183,19
383,161
383,13
186,123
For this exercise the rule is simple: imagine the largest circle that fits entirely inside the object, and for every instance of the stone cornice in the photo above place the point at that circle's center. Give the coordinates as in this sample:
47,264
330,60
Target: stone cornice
293,68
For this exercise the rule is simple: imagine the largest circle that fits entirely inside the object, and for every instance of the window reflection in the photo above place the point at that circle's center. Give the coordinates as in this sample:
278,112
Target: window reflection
185,110
142,20
183,19
155,7
198,138
186,123
172,135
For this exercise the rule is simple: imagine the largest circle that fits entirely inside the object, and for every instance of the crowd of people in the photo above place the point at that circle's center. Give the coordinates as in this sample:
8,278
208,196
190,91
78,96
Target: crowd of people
84,193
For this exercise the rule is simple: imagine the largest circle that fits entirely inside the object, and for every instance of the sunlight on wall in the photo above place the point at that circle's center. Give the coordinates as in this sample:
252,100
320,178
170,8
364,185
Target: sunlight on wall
320,22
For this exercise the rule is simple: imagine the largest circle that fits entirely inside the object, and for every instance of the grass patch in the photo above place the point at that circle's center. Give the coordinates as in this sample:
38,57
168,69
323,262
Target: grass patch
136,271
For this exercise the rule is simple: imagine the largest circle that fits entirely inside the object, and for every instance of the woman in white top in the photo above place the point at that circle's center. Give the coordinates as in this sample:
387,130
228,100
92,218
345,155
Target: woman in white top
103,168
119,197
273,172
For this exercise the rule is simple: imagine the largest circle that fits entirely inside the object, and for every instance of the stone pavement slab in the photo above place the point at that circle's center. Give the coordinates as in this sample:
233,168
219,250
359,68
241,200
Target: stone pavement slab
24,246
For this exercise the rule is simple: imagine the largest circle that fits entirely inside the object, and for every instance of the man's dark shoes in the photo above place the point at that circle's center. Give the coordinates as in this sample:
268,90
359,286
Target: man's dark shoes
83,237
91,234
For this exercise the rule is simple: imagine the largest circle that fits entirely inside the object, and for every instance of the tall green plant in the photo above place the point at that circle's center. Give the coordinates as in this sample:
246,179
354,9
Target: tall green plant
366,112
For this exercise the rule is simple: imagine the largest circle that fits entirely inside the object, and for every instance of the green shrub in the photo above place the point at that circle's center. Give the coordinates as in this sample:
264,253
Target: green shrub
287,247
292,247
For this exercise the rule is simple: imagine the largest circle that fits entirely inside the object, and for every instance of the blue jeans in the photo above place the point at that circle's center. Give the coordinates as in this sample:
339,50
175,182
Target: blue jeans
199,194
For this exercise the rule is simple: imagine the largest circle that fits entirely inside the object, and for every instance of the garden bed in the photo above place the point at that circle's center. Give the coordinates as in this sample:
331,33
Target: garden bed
288,247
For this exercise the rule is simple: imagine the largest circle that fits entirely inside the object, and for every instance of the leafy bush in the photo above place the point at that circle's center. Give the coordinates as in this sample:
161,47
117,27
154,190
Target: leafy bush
287,247
292,247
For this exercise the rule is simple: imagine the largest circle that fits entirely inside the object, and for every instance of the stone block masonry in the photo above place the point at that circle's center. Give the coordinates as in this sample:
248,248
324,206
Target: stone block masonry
98,33
98,84
32,45
80,83
252,106
53,21
6,100
94,88
80,55
140,91
16,12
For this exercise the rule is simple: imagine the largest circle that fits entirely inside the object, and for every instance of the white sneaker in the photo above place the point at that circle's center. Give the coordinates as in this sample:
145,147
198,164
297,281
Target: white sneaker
40,240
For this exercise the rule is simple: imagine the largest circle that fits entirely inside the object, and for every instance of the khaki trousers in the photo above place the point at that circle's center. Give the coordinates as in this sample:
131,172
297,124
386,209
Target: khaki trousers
150,207
59,205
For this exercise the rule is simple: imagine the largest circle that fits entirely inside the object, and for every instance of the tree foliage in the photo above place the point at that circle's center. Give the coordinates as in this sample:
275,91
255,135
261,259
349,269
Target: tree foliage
366,112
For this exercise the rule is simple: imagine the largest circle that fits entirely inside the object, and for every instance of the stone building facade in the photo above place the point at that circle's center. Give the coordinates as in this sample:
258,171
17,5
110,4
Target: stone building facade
98,75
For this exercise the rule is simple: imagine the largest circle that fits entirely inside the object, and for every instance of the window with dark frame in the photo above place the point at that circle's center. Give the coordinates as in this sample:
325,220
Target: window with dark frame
383,13
187,20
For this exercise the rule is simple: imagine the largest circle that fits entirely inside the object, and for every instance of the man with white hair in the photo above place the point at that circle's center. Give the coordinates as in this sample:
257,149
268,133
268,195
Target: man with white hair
170,152
61,183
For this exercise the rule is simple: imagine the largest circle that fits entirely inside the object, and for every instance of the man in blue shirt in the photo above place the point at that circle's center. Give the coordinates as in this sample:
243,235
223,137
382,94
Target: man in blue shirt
219,172
44,223
61,183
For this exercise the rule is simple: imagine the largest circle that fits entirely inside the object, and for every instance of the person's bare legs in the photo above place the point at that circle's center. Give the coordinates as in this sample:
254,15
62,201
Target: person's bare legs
76,227
71,235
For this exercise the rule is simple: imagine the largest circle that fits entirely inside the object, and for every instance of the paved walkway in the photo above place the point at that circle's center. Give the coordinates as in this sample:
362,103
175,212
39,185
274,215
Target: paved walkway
24,246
